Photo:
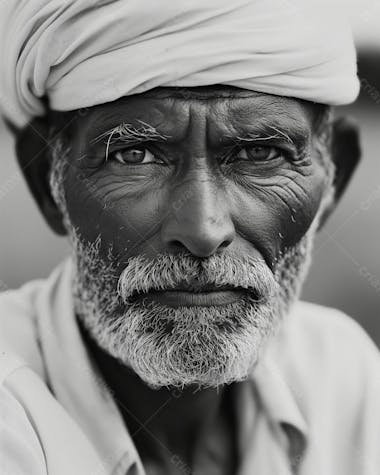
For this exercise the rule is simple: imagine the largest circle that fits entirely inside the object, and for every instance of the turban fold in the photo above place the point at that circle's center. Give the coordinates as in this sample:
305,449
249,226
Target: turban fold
80,53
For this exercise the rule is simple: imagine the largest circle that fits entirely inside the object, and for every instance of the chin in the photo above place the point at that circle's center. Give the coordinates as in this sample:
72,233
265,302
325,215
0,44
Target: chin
186,347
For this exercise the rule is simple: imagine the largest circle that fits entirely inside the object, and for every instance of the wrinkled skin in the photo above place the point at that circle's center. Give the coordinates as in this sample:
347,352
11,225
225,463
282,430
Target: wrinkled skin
207,188
188,198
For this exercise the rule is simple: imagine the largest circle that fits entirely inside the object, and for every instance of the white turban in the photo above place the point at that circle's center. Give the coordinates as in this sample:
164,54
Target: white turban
79,53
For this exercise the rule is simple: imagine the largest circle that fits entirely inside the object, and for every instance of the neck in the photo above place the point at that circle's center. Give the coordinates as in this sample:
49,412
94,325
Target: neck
161,421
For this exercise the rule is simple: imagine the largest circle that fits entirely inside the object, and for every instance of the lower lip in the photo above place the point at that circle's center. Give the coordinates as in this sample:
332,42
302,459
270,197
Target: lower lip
179,298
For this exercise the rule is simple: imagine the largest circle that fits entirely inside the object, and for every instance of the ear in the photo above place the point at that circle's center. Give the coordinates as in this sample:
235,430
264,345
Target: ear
346,154
32,150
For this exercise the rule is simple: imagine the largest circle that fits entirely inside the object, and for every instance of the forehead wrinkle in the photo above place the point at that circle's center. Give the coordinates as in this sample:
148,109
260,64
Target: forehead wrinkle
200,93
165,118
238,115
235,127
269,104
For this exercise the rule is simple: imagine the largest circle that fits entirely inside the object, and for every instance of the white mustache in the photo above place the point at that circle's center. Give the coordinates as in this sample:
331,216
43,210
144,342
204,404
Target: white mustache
168,271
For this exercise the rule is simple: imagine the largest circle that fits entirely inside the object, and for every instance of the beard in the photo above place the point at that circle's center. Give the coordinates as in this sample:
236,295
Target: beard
180,346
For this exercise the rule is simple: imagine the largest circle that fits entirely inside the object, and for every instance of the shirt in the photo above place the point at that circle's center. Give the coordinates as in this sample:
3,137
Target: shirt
310,407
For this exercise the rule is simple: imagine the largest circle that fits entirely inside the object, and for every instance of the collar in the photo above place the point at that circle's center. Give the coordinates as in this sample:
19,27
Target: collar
280,399
79,387
74,380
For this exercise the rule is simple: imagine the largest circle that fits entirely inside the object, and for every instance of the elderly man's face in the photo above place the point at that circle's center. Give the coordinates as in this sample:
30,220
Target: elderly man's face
191,223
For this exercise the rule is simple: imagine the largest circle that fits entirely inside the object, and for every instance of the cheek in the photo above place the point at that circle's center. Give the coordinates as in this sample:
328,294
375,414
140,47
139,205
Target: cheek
119,212
276,216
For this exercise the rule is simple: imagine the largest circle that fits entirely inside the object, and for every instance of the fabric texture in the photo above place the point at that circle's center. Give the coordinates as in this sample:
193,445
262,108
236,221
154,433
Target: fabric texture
310,406
80,53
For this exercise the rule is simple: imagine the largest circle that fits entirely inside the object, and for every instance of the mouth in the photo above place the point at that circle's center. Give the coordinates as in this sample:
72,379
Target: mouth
194,295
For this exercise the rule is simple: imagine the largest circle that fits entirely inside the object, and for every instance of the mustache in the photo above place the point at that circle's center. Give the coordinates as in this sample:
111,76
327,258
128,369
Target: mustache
168,271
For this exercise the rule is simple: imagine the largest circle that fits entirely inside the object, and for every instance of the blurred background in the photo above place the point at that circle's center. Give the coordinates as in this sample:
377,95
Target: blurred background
346,269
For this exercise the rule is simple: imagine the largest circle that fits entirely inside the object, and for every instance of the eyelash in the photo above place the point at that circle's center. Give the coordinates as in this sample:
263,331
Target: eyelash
282,152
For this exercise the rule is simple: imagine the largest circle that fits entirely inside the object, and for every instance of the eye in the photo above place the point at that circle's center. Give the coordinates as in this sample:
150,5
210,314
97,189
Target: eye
259,153
133,155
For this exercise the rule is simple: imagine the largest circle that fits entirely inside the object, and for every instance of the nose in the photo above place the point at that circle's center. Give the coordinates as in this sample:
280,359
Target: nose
199,221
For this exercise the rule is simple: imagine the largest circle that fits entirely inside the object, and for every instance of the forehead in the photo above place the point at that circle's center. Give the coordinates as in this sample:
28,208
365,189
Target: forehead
224,110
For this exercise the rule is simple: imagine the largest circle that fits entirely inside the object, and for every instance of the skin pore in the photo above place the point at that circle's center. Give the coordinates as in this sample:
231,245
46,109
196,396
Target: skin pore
188,188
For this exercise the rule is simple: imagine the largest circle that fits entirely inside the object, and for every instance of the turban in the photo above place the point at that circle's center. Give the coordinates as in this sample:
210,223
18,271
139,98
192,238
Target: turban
73,54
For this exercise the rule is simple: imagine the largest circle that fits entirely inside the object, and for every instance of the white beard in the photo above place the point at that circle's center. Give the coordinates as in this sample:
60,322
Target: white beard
180,346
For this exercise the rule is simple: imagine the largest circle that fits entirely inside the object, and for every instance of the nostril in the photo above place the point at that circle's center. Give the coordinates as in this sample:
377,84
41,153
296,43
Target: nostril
225,244
176,244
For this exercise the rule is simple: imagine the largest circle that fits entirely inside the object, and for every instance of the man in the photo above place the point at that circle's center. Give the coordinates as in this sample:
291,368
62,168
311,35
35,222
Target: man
189,153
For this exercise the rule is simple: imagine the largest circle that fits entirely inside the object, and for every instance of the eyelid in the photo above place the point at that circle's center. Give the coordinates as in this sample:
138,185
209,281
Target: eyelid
290,150
140,146
286,150
268,149
120,145
117,147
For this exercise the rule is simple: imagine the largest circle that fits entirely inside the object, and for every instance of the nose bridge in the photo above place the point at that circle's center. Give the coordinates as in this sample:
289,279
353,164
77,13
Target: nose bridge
198,193
199,220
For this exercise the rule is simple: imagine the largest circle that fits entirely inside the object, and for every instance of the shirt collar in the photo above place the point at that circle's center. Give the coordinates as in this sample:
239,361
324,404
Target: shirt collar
75,381
79,387
280,400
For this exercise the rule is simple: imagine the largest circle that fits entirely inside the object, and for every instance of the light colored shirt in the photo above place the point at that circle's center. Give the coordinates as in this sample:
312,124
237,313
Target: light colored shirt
310,407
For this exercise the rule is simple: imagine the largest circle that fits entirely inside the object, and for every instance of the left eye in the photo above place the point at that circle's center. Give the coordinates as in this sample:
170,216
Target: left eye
133,155
259,154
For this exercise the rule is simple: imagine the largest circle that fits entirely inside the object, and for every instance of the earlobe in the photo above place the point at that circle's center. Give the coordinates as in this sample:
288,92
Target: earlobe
32,150
346,154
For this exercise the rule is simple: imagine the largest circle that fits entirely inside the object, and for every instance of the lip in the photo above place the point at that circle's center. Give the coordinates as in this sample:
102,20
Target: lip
208,296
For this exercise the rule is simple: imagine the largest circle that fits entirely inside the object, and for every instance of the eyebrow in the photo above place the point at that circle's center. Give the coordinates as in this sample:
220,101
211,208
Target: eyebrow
297,138
127,134
277,134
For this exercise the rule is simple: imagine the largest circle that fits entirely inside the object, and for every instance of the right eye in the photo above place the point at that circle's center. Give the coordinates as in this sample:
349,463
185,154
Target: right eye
133,155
